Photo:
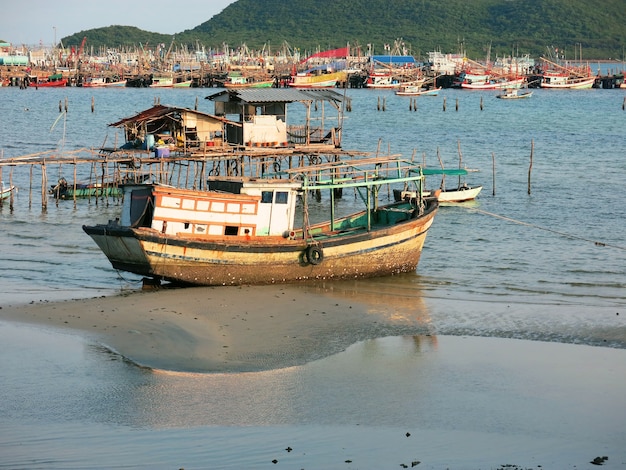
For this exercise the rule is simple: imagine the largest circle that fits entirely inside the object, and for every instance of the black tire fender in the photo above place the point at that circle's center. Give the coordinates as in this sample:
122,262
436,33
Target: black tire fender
314,254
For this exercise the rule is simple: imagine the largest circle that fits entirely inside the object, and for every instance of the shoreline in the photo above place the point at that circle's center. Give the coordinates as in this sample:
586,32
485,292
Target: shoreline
256,328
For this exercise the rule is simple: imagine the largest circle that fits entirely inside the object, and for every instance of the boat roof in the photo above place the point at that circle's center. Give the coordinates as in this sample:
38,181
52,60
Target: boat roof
276,95
359,172
445,171
158,111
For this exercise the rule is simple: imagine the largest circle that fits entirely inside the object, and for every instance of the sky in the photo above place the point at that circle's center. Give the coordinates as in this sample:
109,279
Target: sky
31,22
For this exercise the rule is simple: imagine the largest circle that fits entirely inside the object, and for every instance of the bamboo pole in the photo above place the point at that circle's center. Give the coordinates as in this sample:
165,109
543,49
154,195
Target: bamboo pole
493,172
530,167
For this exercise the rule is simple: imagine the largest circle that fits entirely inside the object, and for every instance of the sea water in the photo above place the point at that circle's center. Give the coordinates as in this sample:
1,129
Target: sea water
539,255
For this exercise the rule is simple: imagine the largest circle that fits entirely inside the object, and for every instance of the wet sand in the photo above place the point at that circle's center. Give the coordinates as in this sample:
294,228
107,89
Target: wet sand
222,329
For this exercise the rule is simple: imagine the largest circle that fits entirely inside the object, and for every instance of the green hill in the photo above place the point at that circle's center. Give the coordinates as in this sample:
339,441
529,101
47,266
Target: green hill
475,26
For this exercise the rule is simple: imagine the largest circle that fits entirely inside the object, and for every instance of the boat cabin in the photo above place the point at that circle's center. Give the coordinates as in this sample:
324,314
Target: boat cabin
257,117
239,207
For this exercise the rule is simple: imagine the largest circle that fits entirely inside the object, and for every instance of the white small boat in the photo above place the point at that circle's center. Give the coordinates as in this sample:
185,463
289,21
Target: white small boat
412,90
6,191
514,94
461,193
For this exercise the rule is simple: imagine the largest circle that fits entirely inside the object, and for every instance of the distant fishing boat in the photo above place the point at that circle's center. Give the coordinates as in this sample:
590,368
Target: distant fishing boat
183,84
416,90
564,80
162,82
55,80
237,80
514,94
117,83
242,230
312,80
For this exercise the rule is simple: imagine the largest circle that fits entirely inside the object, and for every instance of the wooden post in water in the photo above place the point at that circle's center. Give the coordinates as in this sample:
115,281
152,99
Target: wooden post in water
30,188
12,192
44,185
481,103
493,173
93,104
530,167
444,103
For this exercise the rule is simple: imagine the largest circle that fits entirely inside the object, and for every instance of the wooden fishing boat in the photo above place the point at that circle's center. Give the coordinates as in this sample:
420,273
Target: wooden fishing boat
162,82
387,80
565,80
492,83
413,90
237,80
55,80
242,230
514,94
117,83
183,84
312,80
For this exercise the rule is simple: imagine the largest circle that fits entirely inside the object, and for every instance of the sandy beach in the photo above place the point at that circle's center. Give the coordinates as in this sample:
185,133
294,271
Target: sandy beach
223,329
258,357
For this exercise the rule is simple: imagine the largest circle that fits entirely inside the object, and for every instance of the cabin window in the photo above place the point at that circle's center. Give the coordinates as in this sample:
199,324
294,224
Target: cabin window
231,230
186,225
281,197
266,197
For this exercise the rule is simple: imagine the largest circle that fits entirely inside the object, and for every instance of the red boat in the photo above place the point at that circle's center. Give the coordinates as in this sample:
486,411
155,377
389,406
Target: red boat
53,80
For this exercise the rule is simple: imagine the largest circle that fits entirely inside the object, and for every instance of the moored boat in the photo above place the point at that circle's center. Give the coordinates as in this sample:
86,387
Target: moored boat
514,94
413,90
64,190
162,82
564,80
242,230
7,190
312,80
55,80
462,192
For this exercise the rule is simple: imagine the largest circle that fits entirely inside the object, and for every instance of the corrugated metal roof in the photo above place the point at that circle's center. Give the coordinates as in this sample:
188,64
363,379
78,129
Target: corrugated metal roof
280,95
158,111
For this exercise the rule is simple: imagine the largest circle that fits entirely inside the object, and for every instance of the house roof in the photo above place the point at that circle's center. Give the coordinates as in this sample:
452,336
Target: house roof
276,95
159,111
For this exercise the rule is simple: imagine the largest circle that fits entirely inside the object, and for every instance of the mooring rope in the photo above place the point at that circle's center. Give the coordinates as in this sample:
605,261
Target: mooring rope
563,234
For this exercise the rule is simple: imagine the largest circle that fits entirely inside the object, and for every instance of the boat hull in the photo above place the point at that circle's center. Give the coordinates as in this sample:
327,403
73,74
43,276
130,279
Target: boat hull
381,251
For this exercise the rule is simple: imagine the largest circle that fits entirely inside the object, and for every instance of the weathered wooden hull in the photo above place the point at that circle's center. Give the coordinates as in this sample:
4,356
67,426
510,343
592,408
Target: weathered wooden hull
381,251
